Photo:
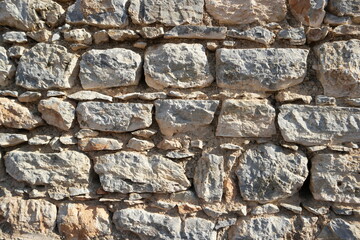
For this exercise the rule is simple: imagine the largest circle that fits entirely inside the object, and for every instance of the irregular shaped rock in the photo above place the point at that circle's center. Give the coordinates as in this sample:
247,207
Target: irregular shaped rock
80,35
40,140
12,139
197,32
209,177
343,30
116,67
177,66
175,116
233,12
246,118
335,178
256,34
168,12
99,144
265,209
345,230
65,168
47,66
128,172
286,96
269,172
317,34
15,115
101,37
140,144
269,69
28,216
122,35
103,14
339,73
29,96
57,112
42,35
80,221
319,125
309,12
344,8
296,36
199,228
7,68
148,225
89,95
114,117
333,20
14,37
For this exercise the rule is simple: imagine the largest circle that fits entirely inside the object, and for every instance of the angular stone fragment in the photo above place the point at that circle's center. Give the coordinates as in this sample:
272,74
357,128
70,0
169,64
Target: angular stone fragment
269,172
309,12
197,32
344,8
57,112
80,221
122,35
114,117
345,230
175,116
127,172
247,11
347,30
148,225
42,35
256,34
47,66
29,96
339,73
265,209
14,37
15,115
80,35
296,36
65,168
333,20
246,118
209,176
286,96
319,125
28,216
7,68
89,96
12,139
168,12
317,34
99,144
152,32
335,178
103,14
40,140
199,228
177,66
269,69
116,67
140,144
101,37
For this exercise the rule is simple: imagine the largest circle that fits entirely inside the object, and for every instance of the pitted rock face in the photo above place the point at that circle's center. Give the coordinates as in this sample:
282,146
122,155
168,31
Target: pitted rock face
345,8
7,68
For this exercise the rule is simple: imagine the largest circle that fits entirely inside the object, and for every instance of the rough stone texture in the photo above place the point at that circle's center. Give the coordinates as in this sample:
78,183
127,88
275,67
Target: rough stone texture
319,125
128,172
248,11
14,37
110,68
335,177
98,144
338,68
89,96
140,144
269,172
47,66
12,139
296,36
344,8
246,118
269,69
168,12
199,228
78,36
114,117
344,230
309,12
165,64
257,34
7,68
175,116
197,32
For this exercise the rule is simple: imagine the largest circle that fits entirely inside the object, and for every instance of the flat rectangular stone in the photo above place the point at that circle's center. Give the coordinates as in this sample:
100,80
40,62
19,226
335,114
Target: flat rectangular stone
197,32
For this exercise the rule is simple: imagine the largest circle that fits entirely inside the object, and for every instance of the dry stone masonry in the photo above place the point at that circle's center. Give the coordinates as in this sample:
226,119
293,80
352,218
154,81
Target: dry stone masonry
179,119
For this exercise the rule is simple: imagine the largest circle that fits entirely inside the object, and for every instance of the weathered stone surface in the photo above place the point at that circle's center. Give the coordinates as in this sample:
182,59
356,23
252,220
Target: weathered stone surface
89,96
175,116
338,72
128,172
347,30
296,36
265,209
260,69
148,225
257,34
99,144
101,37
199,228
47,66
309,12
15,115
7,68
335,177
114,117
28,216
104,14
12,139
57,112
29,15
122,35
345,230
333,20
14,37
177,66
197,32
140,144
245,12
246,118
80,221
286,96
42,35
29,96
65,168
344,7
116,67
315,125
317,34
40,140
80,35
269,172
168,12
209,176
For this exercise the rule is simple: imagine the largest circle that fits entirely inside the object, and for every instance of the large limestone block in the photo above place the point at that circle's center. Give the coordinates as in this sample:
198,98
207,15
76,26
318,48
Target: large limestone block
309,12
319,125
174,116
260,69
335,178
7,68
47,66
246,118
269,172
338,68
114,117
177,66
116,67
128,172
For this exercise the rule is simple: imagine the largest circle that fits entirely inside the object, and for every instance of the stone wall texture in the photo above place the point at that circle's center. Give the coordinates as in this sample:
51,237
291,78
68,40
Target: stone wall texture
179,119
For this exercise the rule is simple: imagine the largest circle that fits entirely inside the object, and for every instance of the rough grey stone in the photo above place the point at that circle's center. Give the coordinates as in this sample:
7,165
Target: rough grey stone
269,172
177,66
42,35
140,144
258,69
197,32
344,7
225,223
7,68
14,37
347,30
199,229
256,34
325,100
40,140
333,20
309,12
16,51
116,67
12,139
345,230
152,32
179,155
29,96
265,209
89,96
122,35
80,35
296,36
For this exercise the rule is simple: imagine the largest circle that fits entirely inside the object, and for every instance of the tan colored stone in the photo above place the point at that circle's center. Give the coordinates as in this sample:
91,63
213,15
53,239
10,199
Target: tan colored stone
309,12
99,144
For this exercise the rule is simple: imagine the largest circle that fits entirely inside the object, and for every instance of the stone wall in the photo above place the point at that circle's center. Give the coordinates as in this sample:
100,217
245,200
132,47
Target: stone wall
179,119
